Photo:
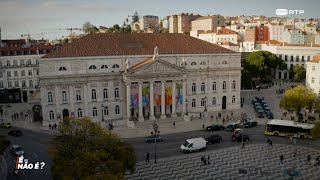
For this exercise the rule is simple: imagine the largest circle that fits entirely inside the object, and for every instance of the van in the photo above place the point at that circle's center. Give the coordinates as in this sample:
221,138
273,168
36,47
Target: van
195,144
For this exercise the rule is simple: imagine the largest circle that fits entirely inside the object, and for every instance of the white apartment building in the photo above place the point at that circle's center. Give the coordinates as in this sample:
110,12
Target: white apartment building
222,35
275,31
207,23
181,76
293,36
313,74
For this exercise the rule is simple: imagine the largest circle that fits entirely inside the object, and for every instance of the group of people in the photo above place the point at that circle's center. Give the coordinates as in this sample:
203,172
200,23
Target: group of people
53,126
15,115
205,159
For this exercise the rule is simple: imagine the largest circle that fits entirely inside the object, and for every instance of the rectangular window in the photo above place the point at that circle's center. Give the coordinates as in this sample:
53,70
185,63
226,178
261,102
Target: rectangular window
8,62
8,73
30,72
302,59
23,73
15,62
16,83
0,74
22,62
15,73
0,64
30,83
23,83
291,59
308,58
29,62
1,84
312,80
9,84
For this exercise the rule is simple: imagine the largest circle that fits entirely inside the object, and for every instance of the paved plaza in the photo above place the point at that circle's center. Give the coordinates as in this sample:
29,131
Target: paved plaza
252,162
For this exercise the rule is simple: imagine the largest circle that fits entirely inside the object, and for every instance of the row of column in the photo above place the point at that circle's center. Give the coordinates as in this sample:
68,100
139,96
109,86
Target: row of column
163,114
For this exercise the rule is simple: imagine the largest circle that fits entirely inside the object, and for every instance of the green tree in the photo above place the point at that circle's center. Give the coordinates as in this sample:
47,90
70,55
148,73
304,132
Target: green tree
315,131
299,73
297,98
83,150
89,28
317,105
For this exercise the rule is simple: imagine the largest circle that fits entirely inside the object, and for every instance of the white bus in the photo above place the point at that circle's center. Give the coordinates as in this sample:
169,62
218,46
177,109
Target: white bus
288,128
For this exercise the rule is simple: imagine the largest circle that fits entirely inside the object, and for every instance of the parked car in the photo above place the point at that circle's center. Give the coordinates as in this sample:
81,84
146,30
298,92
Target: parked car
195,144
260,113
5,125
213,139
266,109
263,102
153,138
238,130
257,105
254,101
15,133
17,150
269,115
215,127
249,124
232,127
259,99
238,137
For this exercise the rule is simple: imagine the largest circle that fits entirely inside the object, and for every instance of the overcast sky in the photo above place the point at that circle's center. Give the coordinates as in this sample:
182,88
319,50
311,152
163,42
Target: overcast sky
44,18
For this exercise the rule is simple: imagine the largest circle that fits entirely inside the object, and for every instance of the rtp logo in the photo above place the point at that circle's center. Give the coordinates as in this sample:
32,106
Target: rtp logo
284,12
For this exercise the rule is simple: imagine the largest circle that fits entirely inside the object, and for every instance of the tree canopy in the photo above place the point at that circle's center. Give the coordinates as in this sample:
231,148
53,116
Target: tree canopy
89,28
315,131
260,63
83,150
299,73
135,17
297,98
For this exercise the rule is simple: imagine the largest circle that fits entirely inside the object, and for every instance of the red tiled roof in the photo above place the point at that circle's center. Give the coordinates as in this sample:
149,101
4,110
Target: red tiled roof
226,31
112,44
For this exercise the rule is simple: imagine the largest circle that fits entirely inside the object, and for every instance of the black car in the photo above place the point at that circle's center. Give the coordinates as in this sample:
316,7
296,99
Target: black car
213,139
215,127
238,137
153,138
15,133
249,124
269,115
232,127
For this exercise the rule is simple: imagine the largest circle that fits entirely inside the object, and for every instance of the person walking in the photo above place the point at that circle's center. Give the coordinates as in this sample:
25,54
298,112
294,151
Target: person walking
208,159
219,115
147,157
211,117
223,120
203,160
217,118
269,142
281,158
309,159
174,124
49,126
202,126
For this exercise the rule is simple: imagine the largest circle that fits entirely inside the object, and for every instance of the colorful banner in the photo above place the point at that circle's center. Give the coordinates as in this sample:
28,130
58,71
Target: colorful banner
178,93
145,96
134,96
168,96
157,94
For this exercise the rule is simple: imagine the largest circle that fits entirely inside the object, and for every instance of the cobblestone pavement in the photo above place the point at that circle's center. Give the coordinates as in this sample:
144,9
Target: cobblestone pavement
252,162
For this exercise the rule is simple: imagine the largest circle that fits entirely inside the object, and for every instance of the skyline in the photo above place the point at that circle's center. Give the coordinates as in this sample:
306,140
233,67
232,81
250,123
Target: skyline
43,19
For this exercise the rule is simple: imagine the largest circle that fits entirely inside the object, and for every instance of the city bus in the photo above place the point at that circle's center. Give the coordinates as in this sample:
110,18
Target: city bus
288,128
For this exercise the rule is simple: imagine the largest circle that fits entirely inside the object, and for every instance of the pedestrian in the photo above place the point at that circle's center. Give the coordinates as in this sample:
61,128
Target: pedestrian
219,115
211,117
281,158
227,118
21,113
309,159
55,125
318,160
202,126
270,142
17,115
174,124
217,118
223,120
203,160
147,157
12,117
232,112
200,115
208,159
49,126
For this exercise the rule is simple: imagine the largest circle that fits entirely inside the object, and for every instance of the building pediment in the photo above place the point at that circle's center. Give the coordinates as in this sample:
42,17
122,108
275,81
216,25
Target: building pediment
153,67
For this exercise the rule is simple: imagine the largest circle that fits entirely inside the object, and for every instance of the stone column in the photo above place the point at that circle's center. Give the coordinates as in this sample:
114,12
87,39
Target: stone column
184,97
71,91
174,115
85,100
151,102
128,102
163,105
21,95
141,118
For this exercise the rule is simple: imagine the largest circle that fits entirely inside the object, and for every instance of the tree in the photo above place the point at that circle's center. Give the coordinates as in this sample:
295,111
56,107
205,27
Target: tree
297,98
317,105
315,131
135,17
299,73
83,150
89,28
261,63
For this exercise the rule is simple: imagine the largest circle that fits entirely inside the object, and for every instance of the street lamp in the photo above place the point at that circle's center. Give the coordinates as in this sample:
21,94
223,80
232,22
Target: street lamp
205,103
102,112
155,129
186,107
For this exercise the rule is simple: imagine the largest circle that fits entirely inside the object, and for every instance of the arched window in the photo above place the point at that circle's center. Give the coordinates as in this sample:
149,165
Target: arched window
193,63
233,99
214,101
203,63
94,112
62,68
115,66
106,111
105,94
224,85
117,110
79,112
78,95
93,67
94,94
51,115
50,98
193,103
214,86
193,87
203,87
64,96
116,92
104,67
234,85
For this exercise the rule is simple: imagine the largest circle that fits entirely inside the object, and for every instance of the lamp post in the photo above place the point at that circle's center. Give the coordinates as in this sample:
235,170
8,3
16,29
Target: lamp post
155,129
186,107
243,117
102,112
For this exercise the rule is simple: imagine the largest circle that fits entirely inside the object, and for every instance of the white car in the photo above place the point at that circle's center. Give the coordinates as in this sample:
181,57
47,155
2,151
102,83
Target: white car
17,150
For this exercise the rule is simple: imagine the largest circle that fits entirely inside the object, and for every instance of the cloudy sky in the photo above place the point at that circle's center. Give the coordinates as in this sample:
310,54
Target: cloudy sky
44,18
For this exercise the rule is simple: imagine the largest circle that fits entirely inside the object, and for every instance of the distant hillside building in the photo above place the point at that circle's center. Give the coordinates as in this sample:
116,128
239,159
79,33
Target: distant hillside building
207,23
313,74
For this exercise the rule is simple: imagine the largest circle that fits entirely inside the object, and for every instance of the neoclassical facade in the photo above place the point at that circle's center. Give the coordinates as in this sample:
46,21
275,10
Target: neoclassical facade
138,77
